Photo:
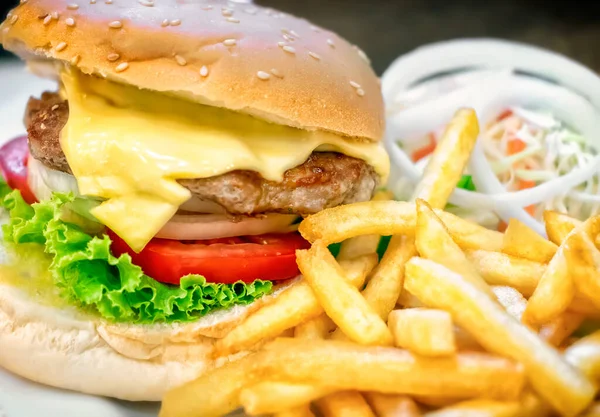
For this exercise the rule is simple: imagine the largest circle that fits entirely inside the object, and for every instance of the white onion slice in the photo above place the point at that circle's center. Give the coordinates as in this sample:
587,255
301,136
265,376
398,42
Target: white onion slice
214,226
43,181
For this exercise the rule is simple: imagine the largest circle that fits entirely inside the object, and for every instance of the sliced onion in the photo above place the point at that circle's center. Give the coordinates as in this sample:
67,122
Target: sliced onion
214,226
43,181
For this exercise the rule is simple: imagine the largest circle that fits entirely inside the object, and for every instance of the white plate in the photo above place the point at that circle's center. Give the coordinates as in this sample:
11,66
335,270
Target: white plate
20,398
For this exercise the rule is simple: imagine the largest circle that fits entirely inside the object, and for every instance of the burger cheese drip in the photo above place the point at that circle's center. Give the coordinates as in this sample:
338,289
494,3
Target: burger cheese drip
130,146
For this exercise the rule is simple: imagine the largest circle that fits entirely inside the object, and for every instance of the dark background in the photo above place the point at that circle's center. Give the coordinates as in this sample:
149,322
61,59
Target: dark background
386,29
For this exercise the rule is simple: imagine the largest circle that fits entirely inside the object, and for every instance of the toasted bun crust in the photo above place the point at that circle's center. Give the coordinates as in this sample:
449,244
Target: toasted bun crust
67,349
245,58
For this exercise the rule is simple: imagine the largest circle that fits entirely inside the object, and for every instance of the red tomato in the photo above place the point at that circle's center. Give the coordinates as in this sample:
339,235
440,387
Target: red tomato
270,257
425,150
13,164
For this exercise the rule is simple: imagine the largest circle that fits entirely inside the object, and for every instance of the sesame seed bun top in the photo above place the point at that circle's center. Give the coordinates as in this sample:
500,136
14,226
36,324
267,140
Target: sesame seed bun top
242,57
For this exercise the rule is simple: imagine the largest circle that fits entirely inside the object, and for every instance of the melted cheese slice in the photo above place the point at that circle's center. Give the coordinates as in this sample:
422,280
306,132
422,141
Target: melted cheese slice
129,146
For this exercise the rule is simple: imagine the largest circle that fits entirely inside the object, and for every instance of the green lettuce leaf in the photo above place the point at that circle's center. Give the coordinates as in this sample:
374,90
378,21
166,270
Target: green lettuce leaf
89,275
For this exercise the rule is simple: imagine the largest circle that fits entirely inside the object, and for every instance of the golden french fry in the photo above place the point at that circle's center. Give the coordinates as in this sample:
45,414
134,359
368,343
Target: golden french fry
344,404
554,292
295,306
559,225
565,388
523,242
592,411
199,398
434,242
348,366
342,302
533,406
386,405
366,244
407,300
487,408
498,268
559,329
513,302
385,286
423,331
465,341
446,165
317,328
584,354
391,218
437,401
300,411
269,397
584,261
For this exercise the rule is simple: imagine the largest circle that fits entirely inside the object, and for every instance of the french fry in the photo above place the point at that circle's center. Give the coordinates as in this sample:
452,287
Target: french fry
342,302
386,405
465,341
592,411
348,366
437,401
407,300
533,406
513,302
317,328
559,225
584,354
554,292
385,286
423,331
295,306
487,408
391,218
559,329
366,244
584,307
449,159
523,242
565,388
301,411
344,404
584,260
269,397
498,268
435,243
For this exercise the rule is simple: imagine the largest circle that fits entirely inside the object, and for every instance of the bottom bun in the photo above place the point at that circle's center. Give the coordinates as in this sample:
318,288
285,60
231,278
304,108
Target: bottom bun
69,349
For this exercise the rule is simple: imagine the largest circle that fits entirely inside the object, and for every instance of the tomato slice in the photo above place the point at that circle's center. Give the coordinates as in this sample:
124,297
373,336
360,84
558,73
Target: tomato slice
270,257
13,164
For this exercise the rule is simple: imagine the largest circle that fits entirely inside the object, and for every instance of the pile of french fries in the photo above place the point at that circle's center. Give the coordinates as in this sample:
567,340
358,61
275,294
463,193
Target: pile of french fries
455,320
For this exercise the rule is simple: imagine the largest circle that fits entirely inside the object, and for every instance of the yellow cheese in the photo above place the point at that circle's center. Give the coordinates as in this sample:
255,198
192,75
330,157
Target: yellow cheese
130,146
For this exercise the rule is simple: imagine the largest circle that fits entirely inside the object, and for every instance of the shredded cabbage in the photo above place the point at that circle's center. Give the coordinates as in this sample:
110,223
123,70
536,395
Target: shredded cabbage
88,274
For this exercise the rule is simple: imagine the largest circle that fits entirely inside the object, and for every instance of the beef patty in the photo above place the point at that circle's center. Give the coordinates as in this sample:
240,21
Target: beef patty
326,179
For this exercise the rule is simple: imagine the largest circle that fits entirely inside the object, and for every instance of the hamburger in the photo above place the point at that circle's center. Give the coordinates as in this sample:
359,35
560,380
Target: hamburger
153,204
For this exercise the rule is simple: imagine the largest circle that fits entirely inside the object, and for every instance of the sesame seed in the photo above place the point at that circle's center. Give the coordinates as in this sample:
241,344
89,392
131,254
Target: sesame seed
175,22
360,92
165,23
181,60
61,46
226,12
355,84
117,24
47,20
288,38
113,57
364,56
14,19
23,1
43,126
315,29
54,107
122,67
108,2
204,71
281,44
72,6
315,56
55,15
293,33
70,21
276,73
147,3
229,42
263,75
289,49
330,43
233,20
92,1
9,15
75,60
